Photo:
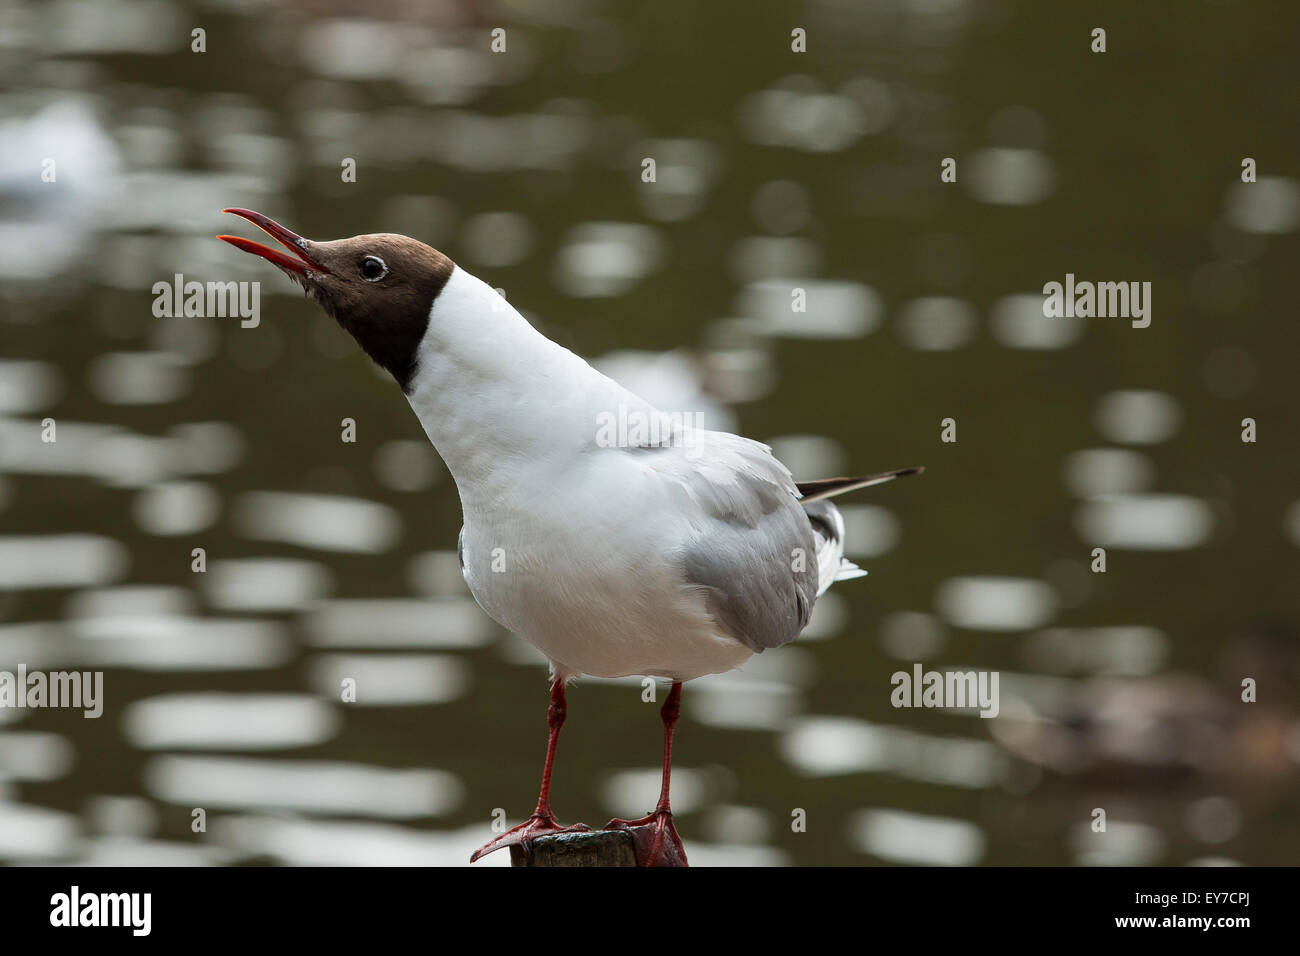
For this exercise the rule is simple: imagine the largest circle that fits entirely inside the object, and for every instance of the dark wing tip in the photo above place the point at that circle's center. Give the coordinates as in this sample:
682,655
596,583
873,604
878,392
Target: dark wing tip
829,487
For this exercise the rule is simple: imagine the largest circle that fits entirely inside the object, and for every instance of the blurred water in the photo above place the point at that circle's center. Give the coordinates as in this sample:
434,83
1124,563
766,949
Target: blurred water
286,640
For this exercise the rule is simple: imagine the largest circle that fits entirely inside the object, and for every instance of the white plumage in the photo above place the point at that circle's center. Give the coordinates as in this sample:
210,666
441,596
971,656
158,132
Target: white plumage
672,560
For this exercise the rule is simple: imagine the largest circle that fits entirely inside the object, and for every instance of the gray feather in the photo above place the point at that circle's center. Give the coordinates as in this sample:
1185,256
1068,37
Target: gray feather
749,579
828,530
756,564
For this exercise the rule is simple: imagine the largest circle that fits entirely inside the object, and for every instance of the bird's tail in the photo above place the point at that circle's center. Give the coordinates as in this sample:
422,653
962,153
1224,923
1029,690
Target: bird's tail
828,523
828,531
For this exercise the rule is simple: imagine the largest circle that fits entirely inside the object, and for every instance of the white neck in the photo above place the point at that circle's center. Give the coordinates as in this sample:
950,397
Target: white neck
495,395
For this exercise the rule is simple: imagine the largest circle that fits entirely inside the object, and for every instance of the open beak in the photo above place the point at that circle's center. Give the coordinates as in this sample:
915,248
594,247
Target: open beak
295,243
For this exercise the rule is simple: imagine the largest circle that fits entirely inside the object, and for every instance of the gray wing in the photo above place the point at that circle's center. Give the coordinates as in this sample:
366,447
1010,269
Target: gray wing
754,556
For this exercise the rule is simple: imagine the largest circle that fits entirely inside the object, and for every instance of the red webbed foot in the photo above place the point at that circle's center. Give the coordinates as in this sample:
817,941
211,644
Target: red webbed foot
538,825
654,839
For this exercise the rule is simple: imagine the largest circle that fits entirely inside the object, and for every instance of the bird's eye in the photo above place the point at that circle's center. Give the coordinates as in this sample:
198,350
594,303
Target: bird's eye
373,268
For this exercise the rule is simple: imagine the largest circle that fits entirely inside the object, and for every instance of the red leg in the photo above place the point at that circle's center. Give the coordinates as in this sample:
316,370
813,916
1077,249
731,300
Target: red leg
542,822
654,835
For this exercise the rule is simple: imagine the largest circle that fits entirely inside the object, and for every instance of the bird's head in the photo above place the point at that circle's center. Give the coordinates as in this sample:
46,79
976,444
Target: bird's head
380,288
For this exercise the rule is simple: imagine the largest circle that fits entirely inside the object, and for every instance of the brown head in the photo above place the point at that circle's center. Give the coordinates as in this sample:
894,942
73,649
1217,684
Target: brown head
380,288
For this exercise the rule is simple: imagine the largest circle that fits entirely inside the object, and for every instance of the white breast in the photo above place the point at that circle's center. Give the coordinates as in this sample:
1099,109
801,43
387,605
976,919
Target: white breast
589,580
571,551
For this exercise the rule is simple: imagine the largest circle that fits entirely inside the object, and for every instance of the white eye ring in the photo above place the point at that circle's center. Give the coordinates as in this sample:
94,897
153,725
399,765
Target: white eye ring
382,266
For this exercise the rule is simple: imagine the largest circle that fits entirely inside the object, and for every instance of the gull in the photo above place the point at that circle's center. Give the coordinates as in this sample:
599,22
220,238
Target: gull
615,538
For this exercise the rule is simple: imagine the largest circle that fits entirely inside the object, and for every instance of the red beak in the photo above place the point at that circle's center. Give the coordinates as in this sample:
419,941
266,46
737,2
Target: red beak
290,240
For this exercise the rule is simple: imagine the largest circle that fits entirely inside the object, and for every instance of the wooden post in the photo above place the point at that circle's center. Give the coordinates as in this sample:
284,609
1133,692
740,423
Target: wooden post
593,848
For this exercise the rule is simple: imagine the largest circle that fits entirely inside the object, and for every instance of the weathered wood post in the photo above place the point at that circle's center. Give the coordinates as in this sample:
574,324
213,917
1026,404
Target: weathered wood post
593,848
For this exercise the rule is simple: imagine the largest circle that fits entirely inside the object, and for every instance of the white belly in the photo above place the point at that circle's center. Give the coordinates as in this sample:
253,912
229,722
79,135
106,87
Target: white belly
603,639
607,605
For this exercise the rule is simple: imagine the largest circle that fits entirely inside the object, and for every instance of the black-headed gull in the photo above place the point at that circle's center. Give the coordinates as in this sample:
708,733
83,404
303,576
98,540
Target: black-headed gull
616,539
